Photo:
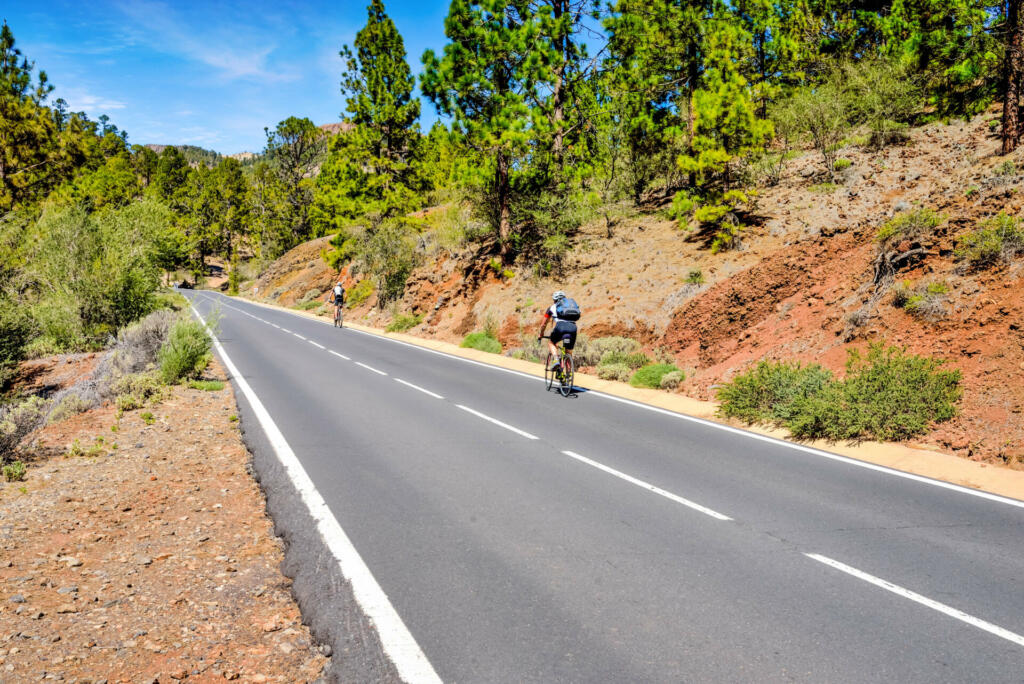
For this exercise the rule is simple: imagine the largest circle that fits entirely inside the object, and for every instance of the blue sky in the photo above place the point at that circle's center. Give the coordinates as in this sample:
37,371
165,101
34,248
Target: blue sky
211,74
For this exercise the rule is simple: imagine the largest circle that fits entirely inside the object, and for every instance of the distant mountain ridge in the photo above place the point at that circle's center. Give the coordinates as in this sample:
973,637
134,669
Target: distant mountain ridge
201,155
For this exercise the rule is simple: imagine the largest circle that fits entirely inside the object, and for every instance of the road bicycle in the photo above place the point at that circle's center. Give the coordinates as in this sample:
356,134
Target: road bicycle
563,374
339,317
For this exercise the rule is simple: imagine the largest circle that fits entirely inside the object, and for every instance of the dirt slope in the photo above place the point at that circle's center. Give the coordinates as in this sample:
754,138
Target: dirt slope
801,285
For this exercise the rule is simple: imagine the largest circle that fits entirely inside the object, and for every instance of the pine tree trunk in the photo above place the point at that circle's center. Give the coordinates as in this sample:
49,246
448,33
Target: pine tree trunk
504,212
1014,64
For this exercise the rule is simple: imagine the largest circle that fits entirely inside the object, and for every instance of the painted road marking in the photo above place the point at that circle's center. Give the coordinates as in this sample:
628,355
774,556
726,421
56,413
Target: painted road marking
497,422
276,325
287,330
923,600
417,387
398,642
370,368
299,336
339,355
648,486
316,344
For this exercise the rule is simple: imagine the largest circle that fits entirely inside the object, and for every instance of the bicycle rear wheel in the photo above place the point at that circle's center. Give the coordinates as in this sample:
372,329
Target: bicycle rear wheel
567,376
549,375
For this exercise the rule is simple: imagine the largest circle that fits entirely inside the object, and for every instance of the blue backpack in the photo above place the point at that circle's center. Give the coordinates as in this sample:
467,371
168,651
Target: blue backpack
567,309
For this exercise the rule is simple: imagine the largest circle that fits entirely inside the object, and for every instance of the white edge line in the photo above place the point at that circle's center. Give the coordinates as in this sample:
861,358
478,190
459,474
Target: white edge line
497,422
398,642
316,344
727,428
370,368
417,387
649,487
923,600
339,355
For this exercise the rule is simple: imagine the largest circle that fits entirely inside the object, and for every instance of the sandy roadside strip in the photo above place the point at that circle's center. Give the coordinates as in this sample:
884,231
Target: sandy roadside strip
931,463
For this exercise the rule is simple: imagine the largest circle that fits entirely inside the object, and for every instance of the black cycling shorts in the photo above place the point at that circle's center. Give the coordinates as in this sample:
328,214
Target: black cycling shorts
338,301
563,330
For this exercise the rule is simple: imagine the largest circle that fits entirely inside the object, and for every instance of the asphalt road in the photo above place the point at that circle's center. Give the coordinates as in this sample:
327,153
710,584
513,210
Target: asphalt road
593,540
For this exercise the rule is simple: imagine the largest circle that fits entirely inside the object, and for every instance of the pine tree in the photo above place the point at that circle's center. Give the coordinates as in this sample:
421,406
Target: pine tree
1013,73
485,81
295,148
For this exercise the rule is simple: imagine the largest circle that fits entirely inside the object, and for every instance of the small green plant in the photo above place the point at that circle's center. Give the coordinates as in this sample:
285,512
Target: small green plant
186,351
909,224
207,385
842,164
136,390
402,322
483,341
14,472
695,277
359,294
971,192
927,301
998,240
306,306
650,375
147,417
115,428
824,187
1007,168
631,360
234,280
232,418
615,371
993,125
75,449
671,380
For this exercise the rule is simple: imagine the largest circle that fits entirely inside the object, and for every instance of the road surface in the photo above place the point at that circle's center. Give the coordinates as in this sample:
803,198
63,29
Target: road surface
524,537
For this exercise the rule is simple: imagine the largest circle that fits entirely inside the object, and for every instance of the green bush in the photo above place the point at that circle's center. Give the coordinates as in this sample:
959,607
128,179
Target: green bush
842,164
671,380
651,375
632,360
998,240
311,294
359,294
767,392
695,277
909,225
136,390
186,351
927,301
887,395
1007,168
482,341
15,472
614,371
306,306
402,322
15,334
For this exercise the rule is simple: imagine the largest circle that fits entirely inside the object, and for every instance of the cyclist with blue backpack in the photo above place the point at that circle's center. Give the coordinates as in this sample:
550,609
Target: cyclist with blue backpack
565,312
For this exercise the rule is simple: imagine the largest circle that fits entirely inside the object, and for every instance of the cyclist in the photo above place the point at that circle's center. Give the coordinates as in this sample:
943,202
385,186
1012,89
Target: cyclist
565,312
338,296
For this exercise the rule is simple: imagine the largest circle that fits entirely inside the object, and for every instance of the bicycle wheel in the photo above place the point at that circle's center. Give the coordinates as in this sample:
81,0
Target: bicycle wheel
567,376
337,316
549,375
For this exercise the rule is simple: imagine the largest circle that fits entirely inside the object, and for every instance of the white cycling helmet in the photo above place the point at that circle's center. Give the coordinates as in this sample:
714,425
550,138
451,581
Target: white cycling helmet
558,295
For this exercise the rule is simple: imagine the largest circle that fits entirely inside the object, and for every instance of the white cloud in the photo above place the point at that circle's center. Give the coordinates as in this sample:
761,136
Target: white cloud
93,105
233,50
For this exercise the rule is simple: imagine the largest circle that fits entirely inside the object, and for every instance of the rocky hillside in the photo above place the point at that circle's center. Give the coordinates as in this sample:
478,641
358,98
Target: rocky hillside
801,286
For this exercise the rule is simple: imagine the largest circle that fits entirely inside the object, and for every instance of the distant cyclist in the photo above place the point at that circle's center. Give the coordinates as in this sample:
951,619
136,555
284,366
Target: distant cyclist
565,312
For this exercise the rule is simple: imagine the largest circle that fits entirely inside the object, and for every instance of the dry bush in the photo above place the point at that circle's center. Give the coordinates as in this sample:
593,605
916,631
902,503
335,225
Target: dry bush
19,420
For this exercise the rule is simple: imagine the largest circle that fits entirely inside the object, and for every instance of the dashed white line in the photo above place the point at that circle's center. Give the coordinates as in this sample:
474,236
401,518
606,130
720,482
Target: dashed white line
316,344
339,355
497,422
286,330
918,598
299,336
417,387
276,325
370,368
399,644
648,486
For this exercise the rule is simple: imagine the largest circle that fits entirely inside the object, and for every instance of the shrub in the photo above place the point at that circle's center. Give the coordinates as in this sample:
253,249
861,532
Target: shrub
186,351
823,188
1007,168
15,334
69,405
908,225
842,164
18,421
590,352
482,341
999,240
695,277
147,417
614,371
139,389
402,322
671,380
651,375
234,280
633,360
532,349
887,395
207,385
311,294
767,392
306,306
927,301
15,472
359,294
